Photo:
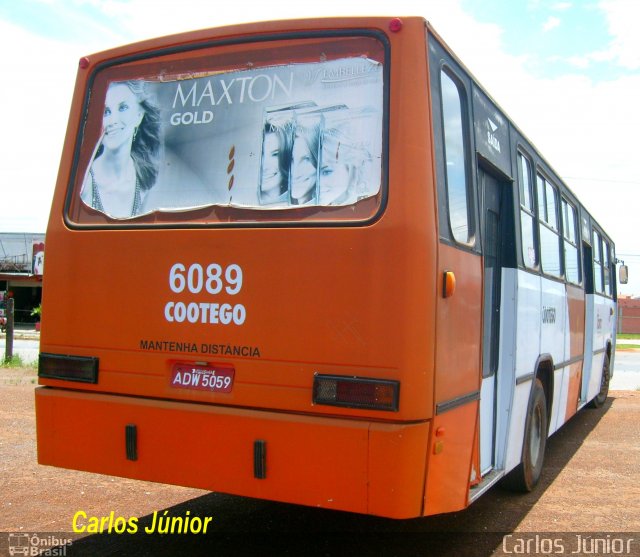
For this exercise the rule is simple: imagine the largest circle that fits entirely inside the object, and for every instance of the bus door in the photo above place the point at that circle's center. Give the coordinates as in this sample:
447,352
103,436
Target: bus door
599,311
491,190
587,265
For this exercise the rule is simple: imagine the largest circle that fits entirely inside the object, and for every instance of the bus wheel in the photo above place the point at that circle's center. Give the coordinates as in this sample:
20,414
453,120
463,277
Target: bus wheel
601,397
526,475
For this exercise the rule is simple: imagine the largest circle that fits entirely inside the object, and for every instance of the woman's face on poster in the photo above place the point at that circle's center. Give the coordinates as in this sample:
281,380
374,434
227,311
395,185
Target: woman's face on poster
303,171
335,177
271,183
122,115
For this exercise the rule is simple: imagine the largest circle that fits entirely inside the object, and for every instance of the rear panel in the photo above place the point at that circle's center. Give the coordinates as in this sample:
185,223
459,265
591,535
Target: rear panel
209,286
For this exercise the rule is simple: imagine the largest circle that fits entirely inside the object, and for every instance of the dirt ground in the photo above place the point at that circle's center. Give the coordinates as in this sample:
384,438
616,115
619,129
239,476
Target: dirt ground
590,484
25,484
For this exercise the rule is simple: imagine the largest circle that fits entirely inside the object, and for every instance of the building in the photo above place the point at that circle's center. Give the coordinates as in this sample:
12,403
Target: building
21,270
628,315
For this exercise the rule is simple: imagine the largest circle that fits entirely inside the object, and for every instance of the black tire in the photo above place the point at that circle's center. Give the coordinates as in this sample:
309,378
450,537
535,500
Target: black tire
526,475
601,397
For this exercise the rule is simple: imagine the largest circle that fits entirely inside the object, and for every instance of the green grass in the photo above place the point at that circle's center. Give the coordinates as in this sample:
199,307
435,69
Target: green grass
620,346
17,372
628,336
16,362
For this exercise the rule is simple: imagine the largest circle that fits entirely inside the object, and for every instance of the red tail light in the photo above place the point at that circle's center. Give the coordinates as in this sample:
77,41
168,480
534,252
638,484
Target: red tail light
356,392
69,368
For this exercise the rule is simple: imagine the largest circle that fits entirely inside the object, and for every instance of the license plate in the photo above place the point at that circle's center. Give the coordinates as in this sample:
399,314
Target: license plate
216,379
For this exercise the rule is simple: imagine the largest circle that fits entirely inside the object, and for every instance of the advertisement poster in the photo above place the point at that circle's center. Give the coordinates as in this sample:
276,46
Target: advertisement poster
37,267
278,137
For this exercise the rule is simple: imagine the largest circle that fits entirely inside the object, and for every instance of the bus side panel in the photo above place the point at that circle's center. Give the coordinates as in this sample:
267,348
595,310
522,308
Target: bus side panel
458,342
602,312
397,469
554,338
458,326
576,302
527,347
450,457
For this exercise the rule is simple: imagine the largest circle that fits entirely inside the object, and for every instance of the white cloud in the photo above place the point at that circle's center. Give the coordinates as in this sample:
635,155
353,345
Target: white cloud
622,20
581,62
623,49
551,23
36,95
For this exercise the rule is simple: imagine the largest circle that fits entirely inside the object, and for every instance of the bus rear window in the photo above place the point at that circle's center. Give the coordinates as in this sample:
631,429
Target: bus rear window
270,131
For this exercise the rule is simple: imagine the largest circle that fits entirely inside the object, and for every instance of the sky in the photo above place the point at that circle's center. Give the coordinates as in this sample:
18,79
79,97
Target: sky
566,72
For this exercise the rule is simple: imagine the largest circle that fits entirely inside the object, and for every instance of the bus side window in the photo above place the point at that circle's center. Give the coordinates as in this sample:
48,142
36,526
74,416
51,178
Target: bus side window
455,147
549,235
527,212
570,233
597,263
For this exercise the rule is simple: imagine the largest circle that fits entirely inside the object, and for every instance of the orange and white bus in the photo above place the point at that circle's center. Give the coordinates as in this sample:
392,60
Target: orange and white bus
314,262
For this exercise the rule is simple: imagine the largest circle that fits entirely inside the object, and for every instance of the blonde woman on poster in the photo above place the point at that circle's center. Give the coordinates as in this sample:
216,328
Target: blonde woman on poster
343,169
125,165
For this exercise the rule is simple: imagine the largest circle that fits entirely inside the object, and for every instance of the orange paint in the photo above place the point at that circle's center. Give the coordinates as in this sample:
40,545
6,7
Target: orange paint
575,299
339,300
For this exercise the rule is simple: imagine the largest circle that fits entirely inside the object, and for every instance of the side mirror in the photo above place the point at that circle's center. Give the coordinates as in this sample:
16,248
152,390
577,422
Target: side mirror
623,274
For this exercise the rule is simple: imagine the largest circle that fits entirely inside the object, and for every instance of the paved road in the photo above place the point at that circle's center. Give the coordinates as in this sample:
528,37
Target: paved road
626,375
26,349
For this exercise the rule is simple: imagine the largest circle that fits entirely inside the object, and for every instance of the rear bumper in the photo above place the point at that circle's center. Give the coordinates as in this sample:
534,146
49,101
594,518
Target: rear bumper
358,466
